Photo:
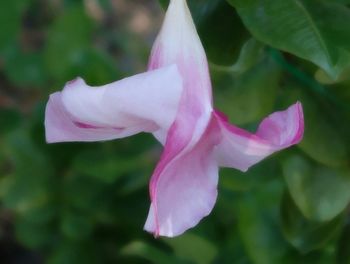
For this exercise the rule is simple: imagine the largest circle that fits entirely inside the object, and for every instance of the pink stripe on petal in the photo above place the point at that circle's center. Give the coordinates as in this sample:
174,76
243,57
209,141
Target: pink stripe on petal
241,149
185,190
179,43
61,127
146,102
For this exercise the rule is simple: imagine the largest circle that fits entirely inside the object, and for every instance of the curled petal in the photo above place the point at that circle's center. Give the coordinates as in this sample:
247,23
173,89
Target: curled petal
146,102
185,191
240,149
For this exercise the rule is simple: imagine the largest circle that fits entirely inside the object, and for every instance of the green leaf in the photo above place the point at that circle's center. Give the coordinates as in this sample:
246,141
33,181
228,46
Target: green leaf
76,226
343,253
258,226
345,2
33,234
250,54
30,186
249,97
98,68
311,29
304,234
101,165
321,193
10,119
69,252
322,141
10,22
25,69
193,247
67,45
322,77
148,252
237,181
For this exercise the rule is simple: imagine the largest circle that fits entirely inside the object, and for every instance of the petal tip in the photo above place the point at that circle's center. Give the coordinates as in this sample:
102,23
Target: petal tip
300,121
76,81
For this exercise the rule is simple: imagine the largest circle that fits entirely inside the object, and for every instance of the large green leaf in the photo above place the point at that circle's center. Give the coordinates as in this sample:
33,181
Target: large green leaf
251,53
237,181
249,97
304,234
258,226
322,140
321,193
311,29
219,28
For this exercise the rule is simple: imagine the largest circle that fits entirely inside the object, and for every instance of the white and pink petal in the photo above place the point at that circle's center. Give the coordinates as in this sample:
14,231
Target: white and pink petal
146,102
241,149
184,190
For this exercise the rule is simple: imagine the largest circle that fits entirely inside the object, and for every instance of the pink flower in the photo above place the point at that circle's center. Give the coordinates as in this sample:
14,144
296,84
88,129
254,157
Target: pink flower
173,101
183,187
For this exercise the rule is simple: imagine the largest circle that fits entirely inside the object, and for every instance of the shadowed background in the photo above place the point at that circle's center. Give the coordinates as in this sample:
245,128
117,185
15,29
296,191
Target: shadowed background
87,202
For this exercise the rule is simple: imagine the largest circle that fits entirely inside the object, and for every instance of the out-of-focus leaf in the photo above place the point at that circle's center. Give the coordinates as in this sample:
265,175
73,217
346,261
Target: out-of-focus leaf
75,225
250,54
102,165
343,254
237,181
258,227
313,30
10,119
148,252
321,193
219,28
25,69
10,22
67,44
69,52
322,77
29,187
33,234
71,253
339,1
249,97
193,248
304,234
322,141
97,68
83,192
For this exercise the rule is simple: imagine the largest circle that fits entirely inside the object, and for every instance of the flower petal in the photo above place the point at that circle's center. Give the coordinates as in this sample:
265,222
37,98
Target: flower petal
240,149
181,161
146,102
186,188
178,42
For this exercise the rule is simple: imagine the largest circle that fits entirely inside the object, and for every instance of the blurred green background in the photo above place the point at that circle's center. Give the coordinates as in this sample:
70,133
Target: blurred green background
87,203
